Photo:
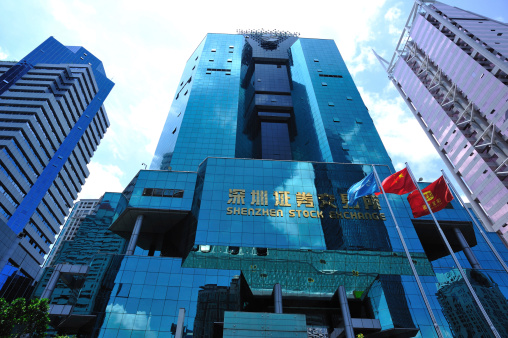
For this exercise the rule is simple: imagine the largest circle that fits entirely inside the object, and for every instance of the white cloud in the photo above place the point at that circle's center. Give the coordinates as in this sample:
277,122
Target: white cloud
394,30
393,14
3,55
102,178
401,134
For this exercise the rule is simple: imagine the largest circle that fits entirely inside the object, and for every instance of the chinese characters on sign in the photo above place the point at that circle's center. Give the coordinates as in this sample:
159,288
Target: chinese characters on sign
328,205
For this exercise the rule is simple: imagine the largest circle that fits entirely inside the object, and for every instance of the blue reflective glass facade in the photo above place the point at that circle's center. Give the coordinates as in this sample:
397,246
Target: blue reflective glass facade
247,189
53,119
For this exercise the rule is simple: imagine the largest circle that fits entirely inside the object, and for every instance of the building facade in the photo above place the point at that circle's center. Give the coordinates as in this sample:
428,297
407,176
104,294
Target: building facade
451,68
53,119
81,209
241,226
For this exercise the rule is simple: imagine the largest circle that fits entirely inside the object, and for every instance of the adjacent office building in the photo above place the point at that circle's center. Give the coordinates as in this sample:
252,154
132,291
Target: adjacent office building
452,71
81,209
52,120
241,226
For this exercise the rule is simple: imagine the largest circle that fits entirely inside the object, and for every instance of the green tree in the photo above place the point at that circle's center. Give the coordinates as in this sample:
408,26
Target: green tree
22,317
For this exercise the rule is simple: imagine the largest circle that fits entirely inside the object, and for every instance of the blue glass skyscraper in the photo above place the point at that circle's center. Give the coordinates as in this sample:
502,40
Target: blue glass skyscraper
241,227
52,120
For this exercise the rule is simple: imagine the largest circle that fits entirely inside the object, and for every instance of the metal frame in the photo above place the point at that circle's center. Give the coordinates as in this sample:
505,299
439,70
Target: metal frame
476,207
486,137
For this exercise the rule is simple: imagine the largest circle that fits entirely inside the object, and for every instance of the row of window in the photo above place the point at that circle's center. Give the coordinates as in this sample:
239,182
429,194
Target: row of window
178,193
231,50
331,104
233,250
218,70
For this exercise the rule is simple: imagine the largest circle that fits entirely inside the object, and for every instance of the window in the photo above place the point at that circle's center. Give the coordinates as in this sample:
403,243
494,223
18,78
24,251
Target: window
214,50
319,71
359,120
279,66
331,104
174,131
228,73
230,60
231,47
324,84
177,193
197,57
345,146
208,72
326,75
193,68
157,192
211,60
349,98
316,60
180,113
336,119
186,92
147,192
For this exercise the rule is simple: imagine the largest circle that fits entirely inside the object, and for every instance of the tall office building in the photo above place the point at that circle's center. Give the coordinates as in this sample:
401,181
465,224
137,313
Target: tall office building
81,209
241,226
52,120
451,68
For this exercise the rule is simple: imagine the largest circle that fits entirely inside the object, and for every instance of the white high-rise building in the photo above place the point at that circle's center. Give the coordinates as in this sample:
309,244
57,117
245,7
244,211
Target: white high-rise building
81,209
451,68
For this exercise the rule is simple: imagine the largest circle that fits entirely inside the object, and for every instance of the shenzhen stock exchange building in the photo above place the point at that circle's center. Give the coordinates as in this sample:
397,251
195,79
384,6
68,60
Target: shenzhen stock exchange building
241,228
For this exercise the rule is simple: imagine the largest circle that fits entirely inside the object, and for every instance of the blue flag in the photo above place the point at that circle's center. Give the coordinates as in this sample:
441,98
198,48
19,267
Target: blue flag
367,186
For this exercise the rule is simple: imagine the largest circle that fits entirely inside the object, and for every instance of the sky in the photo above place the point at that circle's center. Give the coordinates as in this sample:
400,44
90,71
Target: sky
144,46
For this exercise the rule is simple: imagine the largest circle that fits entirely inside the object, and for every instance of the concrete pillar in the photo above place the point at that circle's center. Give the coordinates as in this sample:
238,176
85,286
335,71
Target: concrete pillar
346,315
134,236
50,287
179,324
277,298
467,249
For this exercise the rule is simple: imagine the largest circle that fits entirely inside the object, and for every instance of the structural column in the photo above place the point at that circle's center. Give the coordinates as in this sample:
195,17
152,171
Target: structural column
346,315
50,287
179,324
467,249
134,236
277,298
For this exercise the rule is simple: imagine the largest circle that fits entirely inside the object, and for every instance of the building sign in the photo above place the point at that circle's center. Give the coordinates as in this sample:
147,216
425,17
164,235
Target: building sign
301,205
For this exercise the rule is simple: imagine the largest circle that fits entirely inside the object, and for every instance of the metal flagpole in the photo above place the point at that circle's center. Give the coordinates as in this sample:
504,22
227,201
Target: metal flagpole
459,267
450,185
408,255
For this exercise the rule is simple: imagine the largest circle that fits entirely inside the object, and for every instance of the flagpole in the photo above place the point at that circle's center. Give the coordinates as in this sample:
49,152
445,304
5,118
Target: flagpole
450,185
459,267
408,255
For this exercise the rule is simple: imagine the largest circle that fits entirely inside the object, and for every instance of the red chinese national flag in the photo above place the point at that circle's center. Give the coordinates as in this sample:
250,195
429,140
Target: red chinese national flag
437,195
399,183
